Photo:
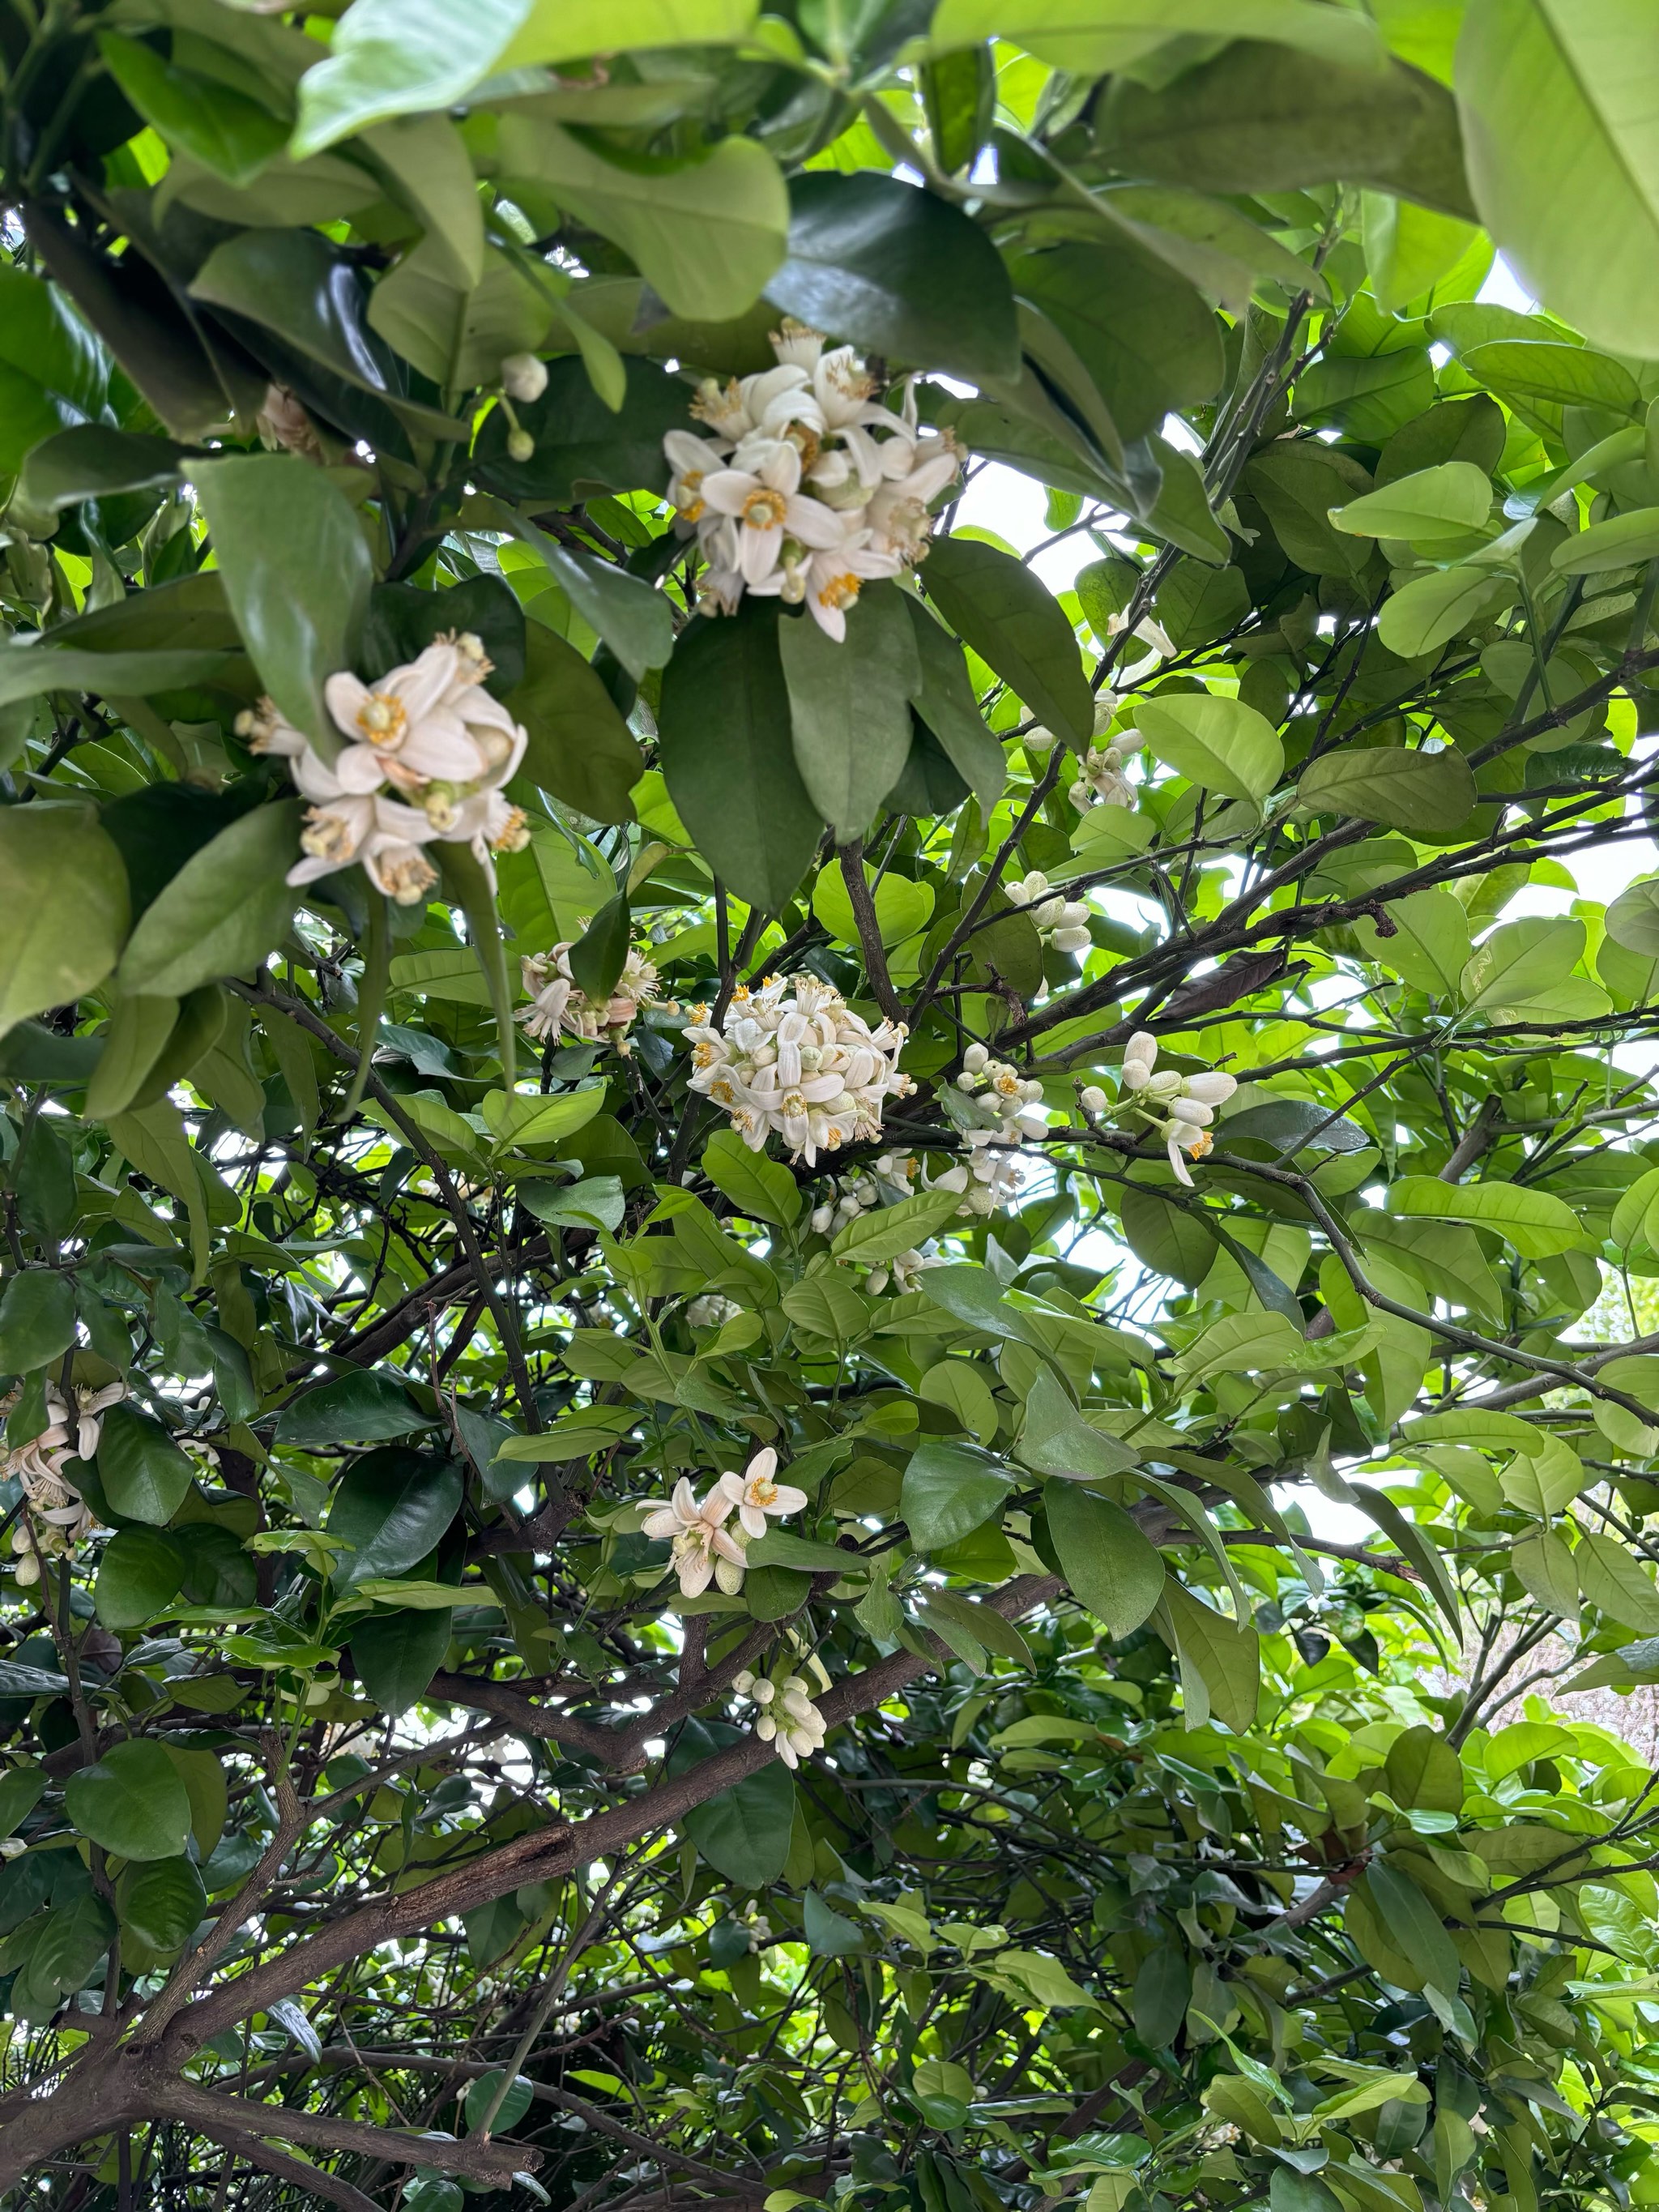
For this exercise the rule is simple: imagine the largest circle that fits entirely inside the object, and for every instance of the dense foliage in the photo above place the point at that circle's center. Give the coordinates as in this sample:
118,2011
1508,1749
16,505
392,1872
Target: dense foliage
828,1380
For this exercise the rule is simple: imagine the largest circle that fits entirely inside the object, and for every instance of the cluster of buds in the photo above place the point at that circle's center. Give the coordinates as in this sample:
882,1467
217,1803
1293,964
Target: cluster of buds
884,1182
808,486
1061,922
711,1311
1101,782
990,1178
902,1270
558,1002
1180,1107
784,1715
58,1516
704,1549
1014,1098
427,753
793,1057
523,377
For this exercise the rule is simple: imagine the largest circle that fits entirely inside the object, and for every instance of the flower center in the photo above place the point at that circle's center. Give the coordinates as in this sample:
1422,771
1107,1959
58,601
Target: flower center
328,836
839,591
762,1492
764,508
383,720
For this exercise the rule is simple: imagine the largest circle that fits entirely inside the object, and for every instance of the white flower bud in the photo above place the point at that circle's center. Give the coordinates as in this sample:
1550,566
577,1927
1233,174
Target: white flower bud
1214,1088
975,1059
523,377
1094,1099
521,445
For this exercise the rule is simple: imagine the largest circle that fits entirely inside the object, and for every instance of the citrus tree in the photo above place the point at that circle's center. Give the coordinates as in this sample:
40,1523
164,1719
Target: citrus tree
828,1378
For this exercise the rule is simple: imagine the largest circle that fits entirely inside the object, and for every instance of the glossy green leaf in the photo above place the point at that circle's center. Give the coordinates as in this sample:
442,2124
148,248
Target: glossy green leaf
131,1802
1214,741
145,1475
948,1491
1111,1567
1429,795
998,607
227,908
580,748
849,705
66,889
391,1506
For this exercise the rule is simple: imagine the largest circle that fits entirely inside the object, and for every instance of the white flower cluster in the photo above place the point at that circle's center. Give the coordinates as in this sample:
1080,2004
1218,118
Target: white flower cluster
792,1056
1061,922
884,1182
809,486
58,1516
990,1178
427,750
557,1001
1101,782
711,1311
704,1549
786,1716
1180,1107
1014,1098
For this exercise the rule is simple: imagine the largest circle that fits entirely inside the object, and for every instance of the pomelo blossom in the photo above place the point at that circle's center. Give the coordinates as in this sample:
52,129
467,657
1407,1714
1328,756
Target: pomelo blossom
786,1717
711,1311
1100,781
989,1178
756,1495
792,1056
882,1183
1014,1099
808,486
1061,922
703,1550
427,753
1180,1107
558,1002
58,1514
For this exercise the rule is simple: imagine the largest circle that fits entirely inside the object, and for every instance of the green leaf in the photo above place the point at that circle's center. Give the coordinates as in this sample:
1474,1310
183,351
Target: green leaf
1617,1584
599,954
392,1506
1299,483
428,160
1261,118
635,620
1111,1567
223,129
64,889
456,334
886,266
227,908
140,1571
945,700
162,1903
480,2097
525,1118
724,724
1214,741
1542,373
1171,1239
27,671
1413,1925
903,907
146,1477
297,573
132,1802
849,705
1621,542
764,1189
1055,1439
1581,228
948,1491
995,605
1536,1222
22,1788
579,747
1429,795
827,1935
75,1937
1220,1661
706,234
1423,614
397,1655
595,1202
37,1320
1423,1770
1148,343
881,1234
1107,35
1162,1991
92,462
1445,501
743,1832
359,1407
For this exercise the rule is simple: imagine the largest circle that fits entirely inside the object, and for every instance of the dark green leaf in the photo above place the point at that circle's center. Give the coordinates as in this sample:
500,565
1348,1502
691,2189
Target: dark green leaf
91,462
139,1571
948,1491
827,1935
131,1802
297,574
580,749
37,1320
64,890
727,755
1147,340
743,1832
161,1903
392,1507
403,619
1162,1991
227,908
145,1475
481,2096
396,1654
888,266
849,705
359,1407
763,1188
75,1937
1413,1926
581,446
205,118
995,605
599,954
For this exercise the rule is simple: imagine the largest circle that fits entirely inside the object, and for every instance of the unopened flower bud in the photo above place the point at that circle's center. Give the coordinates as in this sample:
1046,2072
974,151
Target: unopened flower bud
523,377
521,445
1094,1099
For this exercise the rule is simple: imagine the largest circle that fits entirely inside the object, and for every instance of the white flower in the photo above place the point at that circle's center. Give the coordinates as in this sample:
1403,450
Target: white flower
755,1494
557,1002
703,1552
57,1516
523,377
793,1057
1179,1106
711,1311
1102,782
764,502
405,720
902,1269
